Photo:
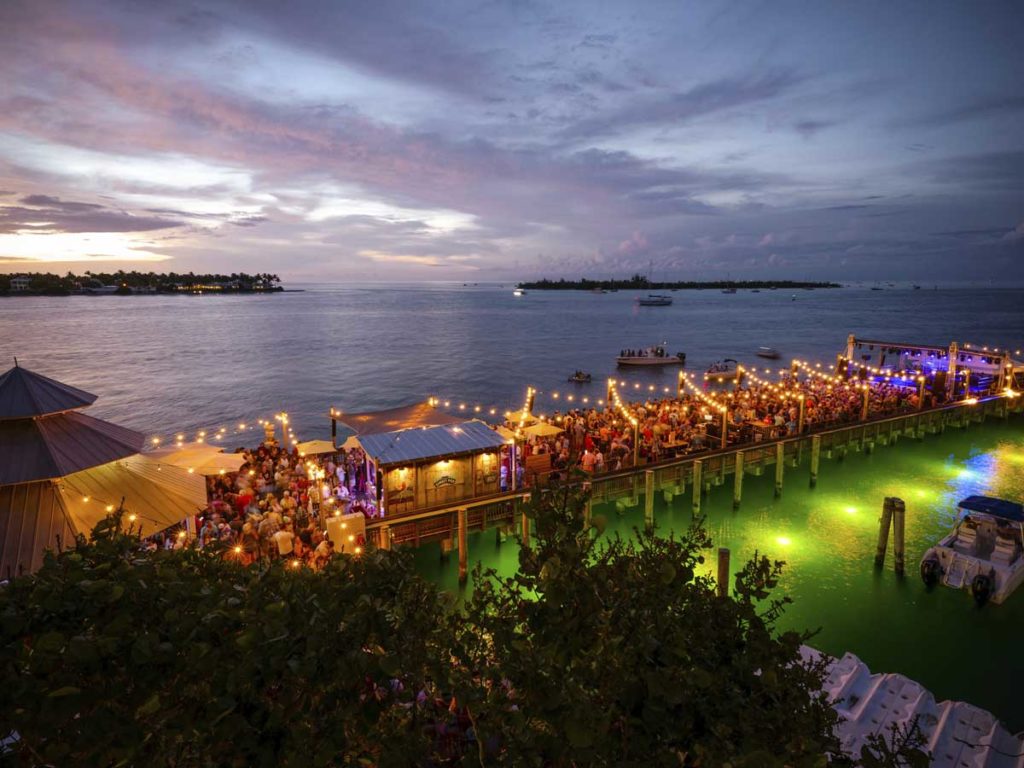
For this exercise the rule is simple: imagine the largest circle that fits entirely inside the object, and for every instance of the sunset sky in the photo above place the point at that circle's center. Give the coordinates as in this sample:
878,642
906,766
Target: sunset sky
478,141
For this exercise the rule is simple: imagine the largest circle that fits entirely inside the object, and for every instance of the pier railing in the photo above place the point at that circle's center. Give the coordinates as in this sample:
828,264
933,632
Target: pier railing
708,468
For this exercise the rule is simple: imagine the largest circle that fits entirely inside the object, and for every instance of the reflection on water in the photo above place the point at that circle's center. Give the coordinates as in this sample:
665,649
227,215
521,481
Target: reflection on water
827,537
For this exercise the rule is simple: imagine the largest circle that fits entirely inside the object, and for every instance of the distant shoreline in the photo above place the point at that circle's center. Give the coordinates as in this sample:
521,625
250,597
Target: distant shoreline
129,293
689,285
123,283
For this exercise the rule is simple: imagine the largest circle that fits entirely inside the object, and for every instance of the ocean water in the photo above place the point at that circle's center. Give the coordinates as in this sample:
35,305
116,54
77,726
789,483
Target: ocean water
170,364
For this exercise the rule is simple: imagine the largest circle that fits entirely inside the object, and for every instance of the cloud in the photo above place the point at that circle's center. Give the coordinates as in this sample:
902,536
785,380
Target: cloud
810,128
701,100
989,171
636,243
1009,105
40,214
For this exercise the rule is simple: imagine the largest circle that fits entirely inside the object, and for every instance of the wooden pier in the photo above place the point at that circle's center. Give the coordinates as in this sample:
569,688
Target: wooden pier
698,472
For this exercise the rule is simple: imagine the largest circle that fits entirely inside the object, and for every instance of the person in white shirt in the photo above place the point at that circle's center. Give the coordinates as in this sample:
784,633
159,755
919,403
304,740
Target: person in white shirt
285,540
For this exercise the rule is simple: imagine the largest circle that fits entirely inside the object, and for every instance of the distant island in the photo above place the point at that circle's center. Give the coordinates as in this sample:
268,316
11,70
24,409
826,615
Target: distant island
133,283
639,282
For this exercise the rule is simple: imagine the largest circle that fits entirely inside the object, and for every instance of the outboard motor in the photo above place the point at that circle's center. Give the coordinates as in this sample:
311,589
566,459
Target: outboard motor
982,587
931,571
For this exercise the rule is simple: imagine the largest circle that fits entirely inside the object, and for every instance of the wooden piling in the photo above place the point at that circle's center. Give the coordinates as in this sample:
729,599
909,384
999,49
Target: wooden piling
463,544
737,488
524,524
884,523
780,467
723,572
384,537
698,484
899,513
815,458
649,498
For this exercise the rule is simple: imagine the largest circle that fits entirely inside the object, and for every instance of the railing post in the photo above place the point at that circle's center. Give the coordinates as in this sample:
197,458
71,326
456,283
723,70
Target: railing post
954,352
737,488
780,466
463,515
899,516
884,523
815,458
722,583
698,484
384,537
649,499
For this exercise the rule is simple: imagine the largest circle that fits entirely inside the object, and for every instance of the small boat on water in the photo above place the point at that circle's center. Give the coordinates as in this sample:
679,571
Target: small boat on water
518,292
983,553
728,290
579,378
650,356
771,353
654,300
917,287
724,370
598,290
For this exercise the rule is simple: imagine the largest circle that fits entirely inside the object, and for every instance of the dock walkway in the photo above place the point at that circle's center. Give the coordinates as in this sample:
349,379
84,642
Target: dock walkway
698,473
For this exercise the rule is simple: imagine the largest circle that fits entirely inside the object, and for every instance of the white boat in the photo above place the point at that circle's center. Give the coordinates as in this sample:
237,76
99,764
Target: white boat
652,356
654,300
771,353
723,370
518,292
983,553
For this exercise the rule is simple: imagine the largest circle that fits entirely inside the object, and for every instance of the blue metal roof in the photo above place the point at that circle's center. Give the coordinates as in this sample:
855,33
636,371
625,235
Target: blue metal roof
1008,510
409,445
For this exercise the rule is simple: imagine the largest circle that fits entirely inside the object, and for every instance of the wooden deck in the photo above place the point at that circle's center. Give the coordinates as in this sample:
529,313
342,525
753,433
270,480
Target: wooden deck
676,475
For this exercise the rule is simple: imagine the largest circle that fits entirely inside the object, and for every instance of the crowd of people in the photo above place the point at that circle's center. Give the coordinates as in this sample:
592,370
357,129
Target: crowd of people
275,506
602,439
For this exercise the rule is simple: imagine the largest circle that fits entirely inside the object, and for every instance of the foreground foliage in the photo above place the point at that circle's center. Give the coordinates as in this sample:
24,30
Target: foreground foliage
597,652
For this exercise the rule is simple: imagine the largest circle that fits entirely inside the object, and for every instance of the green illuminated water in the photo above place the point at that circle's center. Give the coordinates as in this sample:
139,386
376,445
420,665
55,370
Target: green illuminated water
827,537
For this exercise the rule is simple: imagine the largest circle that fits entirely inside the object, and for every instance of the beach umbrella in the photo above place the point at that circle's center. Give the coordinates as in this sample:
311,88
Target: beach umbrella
505,432
28,395
316,447
201,458
523,418
159,495
48,447
542,429
62,471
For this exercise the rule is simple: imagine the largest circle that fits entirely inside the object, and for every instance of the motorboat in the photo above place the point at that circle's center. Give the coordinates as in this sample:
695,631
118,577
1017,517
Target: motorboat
724,370
728,290
518,292
654,300
650,356
771,353
579,378
983,553
598,290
